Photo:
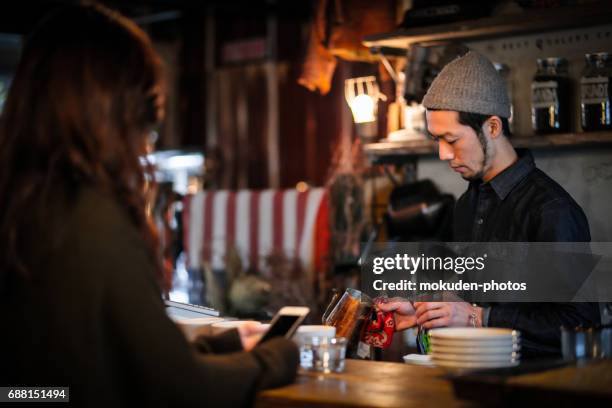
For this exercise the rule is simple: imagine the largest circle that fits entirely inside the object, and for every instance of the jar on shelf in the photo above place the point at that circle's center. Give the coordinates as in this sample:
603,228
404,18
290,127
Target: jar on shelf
595,92
504,72
551,97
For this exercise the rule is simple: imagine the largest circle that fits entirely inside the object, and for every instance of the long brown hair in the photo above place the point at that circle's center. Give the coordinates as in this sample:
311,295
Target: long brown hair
87,90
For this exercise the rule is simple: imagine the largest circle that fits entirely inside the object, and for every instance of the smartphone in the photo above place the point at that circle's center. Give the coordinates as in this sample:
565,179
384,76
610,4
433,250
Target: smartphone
286,322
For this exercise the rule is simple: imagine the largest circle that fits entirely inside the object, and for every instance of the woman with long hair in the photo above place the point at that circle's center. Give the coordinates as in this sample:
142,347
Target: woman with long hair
80,272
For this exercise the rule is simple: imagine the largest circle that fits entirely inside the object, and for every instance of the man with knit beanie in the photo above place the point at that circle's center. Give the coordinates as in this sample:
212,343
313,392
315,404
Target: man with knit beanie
508,199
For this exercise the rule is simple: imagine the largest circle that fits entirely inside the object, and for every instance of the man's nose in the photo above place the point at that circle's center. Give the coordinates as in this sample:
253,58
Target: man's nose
445,151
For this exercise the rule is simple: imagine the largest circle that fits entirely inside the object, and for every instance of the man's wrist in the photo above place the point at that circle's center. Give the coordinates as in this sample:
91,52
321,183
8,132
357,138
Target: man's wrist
476,318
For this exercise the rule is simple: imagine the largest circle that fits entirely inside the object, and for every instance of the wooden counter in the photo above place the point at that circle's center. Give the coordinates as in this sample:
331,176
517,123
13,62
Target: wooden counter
380,384
586,383
365,384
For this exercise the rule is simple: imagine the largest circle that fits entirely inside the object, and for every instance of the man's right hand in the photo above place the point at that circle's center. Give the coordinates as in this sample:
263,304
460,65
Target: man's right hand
403,313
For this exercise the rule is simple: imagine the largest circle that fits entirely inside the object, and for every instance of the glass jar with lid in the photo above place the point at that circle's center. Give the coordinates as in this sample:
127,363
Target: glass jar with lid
551,97
504,72
595,106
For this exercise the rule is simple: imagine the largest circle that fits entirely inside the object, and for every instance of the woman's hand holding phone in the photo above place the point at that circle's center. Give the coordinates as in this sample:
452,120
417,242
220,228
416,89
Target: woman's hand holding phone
286,322
250,334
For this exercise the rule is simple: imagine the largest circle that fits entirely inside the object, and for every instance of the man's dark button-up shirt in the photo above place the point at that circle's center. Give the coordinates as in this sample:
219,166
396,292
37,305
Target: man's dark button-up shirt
522,204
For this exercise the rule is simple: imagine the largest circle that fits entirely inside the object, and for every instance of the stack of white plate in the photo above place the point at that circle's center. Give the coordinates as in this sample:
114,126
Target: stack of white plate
470,348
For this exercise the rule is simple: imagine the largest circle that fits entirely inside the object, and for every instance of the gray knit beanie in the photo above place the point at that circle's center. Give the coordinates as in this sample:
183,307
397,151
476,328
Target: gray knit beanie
469,84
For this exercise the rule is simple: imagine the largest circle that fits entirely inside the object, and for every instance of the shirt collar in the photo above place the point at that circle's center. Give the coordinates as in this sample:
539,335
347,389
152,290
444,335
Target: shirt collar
505,181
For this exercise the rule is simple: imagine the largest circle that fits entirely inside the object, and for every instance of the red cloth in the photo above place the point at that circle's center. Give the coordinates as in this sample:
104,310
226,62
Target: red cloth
379,332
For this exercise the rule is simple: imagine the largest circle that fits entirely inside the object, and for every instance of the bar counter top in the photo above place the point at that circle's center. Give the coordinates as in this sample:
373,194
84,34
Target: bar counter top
365,384
385,384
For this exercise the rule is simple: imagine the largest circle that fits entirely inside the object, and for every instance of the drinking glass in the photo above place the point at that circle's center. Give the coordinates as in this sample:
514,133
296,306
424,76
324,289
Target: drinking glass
323,354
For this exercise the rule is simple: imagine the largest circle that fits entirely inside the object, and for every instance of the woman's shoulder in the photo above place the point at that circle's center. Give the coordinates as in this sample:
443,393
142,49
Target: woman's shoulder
93,207
92,219
98,232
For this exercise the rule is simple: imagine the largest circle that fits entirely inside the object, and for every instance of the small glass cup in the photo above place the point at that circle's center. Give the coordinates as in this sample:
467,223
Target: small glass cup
323,354
586,343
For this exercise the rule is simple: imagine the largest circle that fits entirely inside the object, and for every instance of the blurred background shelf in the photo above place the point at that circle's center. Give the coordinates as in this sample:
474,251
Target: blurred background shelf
526,22
388,152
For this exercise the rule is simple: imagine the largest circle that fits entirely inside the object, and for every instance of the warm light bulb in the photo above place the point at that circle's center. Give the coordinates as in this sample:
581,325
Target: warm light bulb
363,107
301,186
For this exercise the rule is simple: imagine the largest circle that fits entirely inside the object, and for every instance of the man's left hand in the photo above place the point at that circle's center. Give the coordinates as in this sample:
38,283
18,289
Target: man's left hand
447,314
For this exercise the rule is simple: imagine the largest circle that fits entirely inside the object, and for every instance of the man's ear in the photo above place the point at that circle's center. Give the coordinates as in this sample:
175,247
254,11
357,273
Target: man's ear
493,126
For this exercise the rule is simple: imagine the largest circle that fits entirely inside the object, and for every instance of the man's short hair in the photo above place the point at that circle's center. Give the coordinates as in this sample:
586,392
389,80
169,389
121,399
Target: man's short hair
477,120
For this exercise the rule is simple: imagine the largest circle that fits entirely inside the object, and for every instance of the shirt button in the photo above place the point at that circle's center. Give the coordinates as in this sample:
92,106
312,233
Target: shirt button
479,221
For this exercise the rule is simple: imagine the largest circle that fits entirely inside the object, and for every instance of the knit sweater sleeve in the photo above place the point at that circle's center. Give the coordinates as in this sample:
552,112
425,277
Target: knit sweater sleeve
225,342
155,364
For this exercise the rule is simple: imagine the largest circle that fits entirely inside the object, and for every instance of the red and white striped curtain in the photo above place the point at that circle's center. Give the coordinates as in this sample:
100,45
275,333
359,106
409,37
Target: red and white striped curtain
257,223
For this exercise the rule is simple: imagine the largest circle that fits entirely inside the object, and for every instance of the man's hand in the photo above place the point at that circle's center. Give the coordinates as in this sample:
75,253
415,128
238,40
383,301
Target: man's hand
250,333
443,314
404,313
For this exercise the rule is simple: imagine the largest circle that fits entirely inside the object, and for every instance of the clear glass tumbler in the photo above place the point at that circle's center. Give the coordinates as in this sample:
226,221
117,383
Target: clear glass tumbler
323,354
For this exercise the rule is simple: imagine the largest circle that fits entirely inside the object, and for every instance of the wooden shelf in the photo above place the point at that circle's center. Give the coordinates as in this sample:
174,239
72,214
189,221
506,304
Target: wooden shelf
527,22
408,148
384,152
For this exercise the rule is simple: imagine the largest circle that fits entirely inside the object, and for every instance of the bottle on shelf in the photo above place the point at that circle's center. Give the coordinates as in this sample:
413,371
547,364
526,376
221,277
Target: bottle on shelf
595,109
504,72
551,97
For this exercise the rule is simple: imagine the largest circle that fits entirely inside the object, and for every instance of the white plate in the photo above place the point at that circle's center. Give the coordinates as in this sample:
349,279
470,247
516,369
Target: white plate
475,358
194,327
466,365
436,348
473,333
221,327
305,332
196,320
480,345
419,359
